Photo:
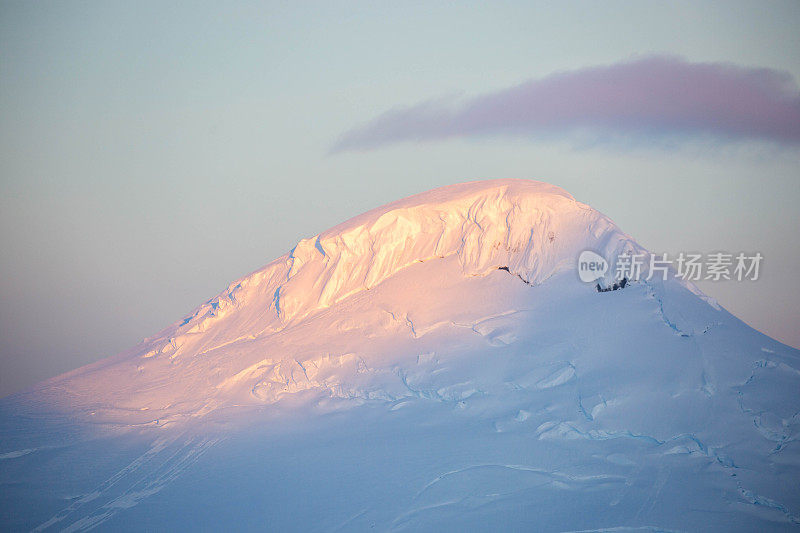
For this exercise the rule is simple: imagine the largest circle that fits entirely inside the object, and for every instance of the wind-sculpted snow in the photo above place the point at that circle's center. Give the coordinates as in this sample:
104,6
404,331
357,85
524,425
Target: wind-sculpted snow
389,374
531,228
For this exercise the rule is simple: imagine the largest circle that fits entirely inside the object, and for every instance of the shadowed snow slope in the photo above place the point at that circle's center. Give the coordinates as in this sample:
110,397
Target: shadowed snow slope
432,364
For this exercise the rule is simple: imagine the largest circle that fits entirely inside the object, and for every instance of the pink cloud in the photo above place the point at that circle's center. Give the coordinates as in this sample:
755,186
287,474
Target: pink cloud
643,98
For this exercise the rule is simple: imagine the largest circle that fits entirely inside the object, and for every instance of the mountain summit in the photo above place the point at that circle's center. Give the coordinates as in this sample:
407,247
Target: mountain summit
530,229
434,363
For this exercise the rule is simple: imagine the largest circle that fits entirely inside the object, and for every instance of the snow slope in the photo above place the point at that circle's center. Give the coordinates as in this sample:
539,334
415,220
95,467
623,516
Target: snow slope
431,364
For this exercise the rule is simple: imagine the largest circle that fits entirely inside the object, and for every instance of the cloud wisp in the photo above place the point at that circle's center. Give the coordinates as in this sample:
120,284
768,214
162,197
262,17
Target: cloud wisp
649,97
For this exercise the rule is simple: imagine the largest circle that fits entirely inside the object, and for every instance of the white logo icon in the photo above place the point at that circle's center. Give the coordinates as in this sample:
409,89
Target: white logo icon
591,266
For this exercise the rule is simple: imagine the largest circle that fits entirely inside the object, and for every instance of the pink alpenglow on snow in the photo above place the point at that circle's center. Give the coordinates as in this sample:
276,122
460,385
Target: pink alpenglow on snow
645,98
434,364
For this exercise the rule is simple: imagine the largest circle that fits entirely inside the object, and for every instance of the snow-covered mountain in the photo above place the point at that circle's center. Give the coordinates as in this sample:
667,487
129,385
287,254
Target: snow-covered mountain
432,364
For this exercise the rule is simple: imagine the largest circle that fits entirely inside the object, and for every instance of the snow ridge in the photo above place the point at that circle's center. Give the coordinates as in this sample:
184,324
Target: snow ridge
531,228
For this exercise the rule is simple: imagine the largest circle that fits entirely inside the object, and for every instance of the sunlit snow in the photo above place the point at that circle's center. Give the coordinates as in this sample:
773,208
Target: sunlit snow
434,364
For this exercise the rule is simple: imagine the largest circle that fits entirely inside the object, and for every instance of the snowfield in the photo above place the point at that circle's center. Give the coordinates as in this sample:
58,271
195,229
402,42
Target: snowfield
433,364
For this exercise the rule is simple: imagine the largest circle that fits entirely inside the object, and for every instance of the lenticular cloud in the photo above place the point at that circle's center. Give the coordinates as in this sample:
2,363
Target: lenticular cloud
649,97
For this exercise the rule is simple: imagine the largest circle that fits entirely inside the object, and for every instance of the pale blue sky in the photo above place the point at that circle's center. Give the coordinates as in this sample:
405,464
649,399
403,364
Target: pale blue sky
150,153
